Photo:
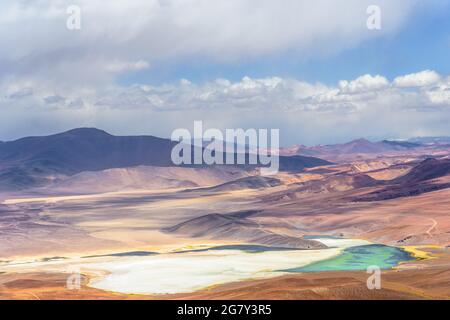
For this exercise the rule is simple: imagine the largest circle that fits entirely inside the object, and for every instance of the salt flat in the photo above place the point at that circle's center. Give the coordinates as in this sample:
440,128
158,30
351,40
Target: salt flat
184,272
188,272
191,271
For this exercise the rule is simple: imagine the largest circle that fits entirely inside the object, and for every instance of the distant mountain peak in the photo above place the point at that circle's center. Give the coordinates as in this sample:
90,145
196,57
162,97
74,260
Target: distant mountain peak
33,161
360,141
430,140
400,143
85,132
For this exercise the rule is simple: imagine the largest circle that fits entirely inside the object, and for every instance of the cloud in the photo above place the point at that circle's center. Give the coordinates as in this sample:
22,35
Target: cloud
368,106
364,83
420,79
440,93
54,99
23,92
123,36
122,66
57,78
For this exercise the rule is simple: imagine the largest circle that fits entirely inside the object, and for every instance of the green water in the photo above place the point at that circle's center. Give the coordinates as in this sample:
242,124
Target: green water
359,258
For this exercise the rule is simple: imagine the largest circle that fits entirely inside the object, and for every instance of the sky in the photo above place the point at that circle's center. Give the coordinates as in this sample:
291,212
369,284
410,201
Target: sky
314,70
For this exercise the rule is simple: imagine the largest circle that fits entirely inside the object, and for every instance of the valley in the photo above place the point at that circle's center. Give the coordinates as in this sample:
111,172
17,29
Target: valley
230,230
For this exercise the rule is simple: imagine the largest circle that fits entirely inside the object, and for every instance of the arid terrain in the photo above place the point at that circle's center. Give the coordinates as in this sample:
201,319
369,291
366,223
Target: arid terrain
428,279
98,220
225,149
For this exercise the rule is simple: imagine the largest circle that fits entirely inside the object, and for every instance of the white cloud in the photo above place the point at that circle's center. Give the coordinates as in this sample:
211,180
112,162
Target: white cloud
122,36
122,66
420,79
440,93
21,93
368,106
57,78
272,93
364,83
56,99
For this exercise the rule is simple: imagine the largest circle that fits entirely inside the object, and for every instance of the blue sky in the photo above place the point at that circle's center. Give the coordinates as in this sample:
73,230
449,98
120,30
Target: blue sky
423,42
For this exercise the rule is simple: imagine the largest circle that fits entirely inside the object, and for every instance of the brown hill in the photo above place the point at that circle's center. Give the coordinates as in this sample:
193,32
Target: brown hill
238,226
429,169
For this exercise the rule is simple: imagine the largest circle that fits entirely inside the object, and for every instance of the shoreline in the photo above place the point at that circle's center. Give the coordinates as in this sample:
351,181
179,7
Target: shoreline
421,281
105,272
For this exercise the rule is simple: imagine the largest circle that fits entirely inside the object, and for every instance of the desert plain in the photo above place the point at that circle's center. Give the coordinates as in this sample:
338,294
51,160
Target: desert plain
151,232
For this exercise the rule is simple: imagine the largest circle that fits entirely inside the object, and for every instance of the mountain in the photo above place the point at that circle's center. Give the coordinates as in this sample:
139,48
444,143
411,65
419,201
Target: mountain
430,140
298,163
142,177
401,144
426,170
350,149
361,146
419,180
238,226
38,161
252,182
85,149
336,183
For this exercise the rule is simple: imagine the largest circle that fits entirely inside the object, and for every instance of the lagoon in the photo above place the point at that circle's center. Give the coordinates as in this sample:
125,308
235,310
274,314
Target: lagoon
147,272
359,258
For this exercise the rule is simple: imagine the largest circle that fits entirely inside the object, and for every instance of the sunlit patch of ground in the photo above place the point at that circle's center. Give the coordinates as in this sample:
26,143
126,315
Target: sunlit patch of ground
71,227
424,279
186,271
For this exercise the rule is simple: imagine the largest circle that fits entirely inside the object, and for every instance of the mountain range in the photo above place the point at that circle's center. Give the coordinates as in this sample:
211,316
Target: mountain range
87,154
352,149
38,161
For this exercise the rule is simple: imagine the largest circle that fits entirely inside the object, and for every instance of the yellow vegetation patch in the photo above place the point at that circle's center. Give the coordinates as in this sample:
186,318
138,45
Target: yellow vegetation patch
419,252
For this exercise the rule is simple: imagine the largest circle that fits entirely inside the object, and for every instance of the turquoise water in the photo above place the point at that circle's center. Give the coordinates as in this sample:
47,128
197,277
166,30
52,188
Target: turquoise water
352,258
359,258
